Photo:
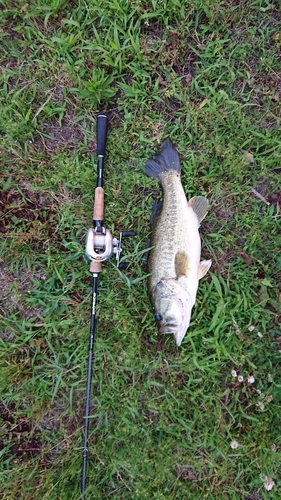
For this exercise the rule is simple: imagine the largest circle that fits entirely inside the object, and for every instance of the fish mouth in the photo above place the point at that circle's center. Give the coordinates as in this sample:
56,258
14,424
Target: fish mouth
169,329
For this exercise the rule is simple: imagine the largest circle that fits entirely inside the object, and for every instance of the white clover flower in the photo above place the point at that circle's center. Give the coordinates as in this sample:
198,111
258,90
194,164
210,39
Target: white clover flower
260,405
273,448
268,483
234,444
251,380
234,373
240,378
260,335
251,328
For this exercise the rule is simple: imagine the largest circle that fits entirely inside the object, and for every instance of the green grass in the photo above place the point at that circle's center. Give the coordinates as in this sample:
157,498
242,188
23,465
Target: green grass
206,75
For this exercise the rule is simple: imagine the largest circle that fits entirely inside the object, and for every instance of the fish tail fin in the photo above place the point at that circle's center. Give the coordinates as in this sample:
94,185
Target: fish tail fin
167,159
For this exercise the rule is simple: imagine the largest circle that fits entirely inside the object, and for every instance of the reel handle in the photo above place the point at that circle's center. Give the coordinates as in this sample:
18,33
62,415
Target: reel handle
102,122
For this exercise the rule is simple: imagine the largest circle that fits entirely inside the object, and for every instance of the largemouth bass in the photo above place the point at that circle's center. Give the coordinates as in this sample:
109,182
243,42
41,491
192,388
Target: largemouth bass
174,261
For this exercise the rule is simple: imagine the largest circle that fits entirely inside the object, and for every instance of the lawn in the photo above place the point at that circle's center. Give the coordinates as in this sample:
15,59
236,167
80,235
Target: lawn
197,422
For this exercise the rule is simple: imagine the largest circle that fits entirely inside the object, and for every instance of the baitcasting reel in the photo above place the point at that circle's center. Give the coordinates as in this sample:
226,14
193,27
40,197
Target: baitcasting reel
100,245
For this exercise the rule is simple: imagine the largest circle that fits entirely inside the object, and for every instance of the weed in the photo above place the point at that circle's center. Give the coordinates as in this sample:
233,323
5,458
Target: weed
199,422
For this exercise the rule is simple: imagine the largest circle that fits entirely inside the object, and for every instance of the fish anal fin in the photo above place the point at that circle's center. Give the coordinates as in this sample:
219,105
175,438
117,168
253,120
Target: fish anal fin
181,264
199,205
203,268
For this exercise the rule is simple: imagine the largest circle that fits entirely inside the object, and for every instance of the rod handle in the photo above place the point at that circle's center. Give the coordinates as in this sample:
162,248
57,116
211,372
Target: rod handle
98,213
102,122
95,267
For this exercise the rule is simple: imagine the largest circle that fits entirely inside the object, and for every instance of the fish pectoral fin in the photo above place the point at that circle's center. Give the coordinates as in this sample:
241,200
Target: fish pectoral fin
199,205
181,264
203,268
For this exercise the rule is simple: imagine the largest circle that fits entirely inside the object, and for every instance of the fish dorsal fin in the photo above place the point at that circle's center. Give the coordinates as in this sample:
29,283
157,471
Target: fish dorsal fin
203,268
199,205
181,264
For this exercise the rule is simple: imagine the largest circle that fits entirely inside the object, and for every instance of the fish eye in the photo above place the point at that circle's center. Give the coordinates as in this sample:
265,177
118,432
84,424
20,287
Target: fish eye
158,316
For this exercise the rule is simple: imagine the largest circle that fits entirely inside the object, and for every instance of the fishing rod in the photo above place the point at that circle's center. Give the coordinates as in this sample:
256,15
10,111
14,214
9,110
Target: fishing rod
100,246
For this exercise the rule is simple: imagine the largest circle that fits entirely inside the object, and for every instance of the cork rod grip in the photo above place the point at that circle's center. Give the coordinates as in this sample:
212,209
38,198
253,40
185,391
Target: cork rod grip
99,204
95,267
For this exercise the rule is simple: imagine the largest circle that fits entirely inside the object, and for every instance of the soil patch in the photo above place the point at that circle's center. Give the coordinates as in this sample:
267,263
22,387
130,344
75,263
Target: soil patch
55,137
